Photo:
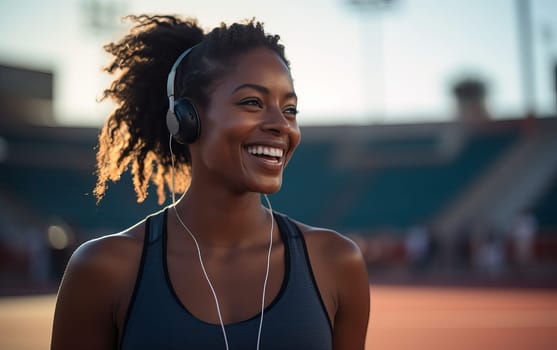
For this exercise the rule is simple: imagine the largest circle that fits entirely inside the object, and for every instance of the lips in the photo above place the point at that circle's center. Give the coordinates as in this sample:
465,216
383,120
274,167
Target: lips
261,150
267,153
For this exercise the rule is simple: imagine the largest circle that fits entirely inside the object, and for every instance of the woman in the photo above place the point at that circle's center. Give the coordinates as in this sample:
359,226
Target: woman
216,270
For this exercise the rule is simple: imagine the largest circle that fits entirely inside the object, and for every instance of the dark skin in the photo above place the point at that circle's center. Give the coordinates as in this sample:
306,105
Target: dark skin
252,105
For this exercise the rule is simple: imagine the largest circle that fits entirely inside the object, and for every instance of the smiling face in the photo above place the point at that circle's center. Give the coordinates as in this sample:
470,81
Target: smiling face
249,129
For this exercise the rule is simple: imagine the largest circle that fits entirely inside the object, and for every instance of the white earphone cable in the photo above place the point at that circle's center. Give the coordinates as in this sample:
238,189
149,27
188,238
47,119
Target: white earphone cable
270,209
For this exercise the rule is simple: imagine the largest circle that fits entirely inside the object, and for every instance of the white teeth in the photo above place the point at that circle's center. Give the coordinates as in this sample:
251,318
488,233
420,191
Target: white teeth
265,150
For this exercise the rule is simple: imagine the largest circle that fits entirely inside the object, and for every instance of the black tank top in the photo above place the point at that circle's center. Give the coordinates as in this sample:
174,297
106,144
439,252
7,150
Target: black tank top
156,319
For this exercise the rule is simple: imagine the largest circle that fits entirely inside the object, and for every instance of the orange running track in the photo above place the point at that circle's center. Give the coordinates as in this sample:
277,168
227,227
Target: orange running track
402,318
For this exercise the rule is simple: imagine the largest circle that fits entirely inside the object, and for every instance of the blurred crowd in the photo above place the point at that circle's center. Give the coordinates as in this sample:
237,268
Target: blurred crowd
477,251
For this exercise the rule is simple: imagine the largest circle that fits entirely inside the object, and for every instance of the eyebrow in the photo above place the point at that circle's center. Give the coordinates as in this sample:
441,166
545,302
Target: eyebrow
262,89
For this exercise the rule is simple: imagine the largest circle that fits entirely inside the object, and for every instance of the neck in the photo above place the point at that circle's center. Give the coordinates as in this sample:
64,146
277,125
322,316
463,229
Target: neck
224,219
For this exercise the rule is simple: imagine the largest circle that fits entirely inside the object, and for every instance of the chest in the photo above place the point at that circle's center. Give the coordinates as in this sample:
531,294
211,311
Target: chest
236,279
172,306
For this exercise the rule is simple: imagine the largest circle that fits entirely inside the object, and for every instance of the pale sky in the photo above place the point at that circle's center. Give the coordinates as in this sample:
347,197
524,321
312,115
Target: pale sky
404,58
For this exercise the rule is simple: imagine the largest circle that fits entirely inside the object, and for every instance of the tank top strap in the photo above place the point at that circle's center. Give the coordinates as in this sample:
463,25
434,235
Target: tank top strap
156,226
286,226
302,278
149,273
293,239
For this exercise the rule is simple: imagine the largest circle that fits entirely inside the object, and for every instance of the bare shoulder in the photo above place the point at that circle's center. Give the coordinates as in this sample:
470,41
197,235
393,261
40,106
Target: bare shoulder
111,246
335,247
95,290
337,264
110,261
110,251
342,279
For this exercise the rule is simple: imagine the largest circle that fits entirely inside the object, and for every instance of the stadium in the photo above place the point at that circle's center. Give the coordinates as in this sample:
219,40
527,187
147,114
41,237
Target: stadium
469,203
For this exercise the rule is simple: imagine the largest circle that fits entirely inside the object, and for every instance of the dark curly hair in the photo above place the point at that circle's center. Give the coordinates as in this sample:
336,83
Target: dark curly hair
135,134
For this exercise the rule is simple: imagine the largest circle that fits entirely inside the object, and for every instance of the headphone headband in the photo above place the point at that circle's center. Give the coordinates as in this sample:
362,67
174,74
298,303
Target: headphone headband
182,118
172,76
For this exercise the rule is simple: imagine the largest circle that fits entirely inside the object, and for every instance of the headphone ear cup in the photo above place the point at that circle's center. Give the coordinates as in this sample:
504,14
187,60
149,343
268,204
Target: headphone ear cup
184,124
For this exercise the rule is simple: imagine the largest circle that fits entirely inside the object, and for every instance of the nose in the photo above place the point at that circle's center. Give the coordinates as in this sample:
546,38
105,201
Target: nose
277,123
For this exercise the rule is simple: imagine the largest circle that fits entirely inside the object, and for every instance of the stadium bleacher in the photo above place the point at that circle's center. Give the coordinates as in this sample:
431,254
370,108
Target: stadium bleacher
385,197
317,189
65,194
545,210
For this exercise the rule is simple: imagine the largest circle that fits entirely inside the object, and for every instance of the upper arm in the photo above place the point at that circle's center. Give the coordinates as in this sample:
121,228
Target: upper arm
84,317
352,314
342,279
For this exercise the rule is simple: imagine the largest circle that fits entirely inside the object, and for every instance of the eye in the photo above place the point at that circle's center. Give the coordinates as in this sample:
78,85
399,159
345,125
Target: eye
291,111
251,102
